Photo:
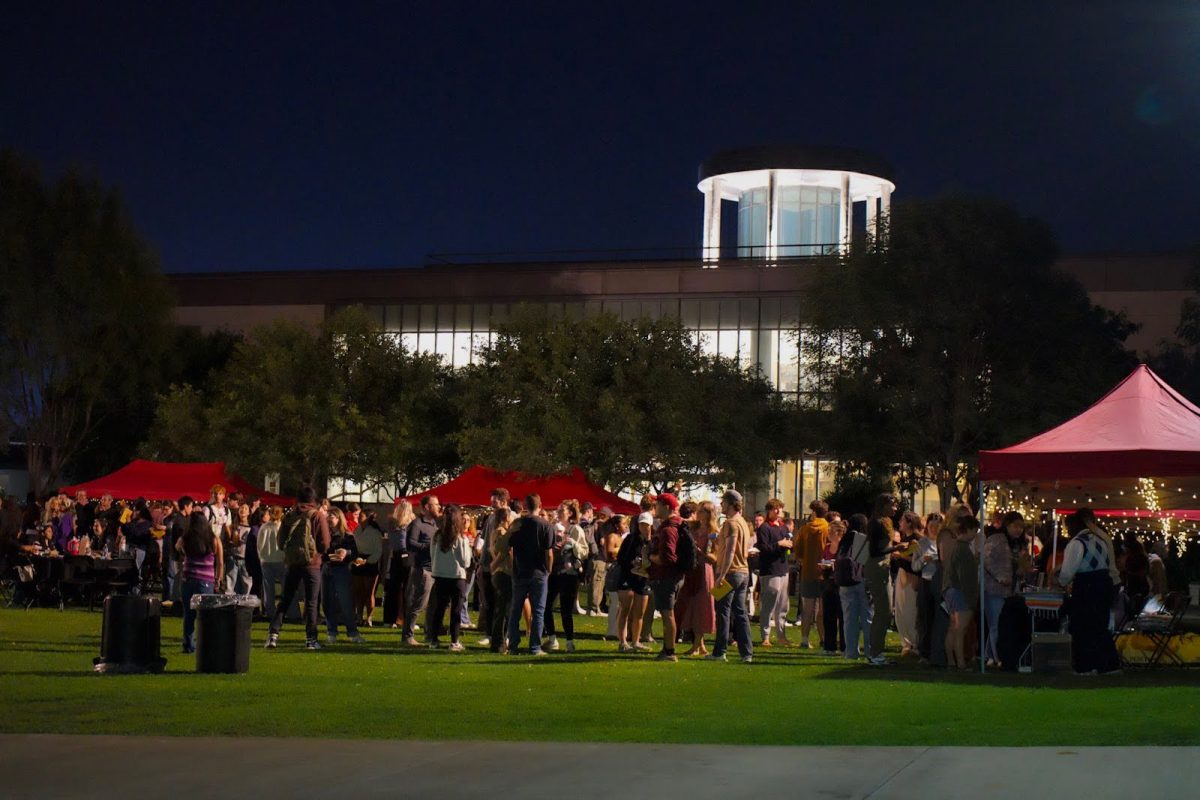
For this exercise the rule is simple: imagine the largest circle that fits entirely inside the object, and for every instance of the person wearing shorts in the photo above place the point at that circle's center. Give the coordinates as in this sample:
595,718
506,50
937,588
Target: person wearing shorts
666,579
633,589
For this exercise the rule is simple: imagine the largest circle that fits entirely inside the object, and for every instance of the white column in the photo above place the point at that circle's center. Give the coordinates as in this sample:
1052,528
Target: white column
872,203
885,212
772,217
712,223
847,209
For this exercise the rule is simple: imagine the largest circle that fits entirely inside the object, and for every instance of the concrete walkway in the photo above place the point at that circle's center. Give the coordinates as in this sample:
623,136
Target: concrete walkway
179,769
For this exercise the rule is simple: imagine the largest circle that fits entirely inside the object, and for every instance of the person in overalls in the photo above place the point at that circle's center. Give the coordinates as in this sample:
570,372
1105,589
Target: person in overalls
1089,567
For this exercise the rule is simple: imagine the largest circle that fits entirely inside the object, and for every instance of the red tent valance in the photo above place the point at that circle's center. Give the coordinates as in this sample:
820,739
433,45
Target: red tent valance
474,488
165,480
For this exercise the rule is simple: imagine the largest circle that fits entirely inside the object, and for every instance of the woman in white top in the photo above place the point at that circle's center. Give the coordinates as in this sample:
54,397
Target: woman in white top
364,572
570,551
270,556
451,557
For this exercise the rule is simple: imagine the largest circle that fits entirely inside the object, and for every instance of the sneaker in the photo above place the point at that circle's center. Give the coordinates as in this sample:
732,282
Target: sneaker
416,628
666,656
331,639
433,644
456,647
538,652
552,643
312,644
1114,672
579,610
486,641
878,661
357,639
715,657
570,645
410,641
641,648
747,659
272,641
804,645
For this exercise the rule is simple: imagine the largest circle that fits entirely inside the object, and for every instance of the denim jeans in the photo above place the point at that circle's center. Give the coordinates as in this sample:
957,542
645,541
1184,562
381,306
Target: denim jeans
237,576
192,586
876,575
420,584
273,572
535,589
335,590
993,605
731,612
310,578
854,618
502,588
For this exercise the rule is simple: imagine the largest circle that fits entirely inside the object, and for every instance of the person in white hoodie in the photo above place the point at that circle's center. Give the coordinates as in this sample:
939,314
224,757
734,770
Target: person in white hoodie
270,556
451,557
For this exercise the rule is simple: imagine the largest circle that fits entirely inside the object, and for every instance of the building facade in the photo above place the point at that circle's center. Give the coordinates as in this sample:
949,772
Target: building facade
741,298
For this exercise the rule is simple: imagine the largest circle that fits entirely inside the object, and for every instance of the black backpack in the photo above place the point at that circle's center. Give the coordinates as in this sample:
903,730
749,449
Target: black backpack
685,551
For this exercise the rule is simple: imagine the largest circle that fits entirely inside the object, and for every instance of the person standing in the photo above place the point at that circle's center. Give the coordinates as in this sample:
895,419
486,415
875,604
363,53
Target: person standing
532,546
774,545
483,555
834,632
304,538
335,579
1087,568
202,563
877,571
177,526
570,552
451,558
666,575
234,539
611,535
420,577
364,572
999,577
501,567
270,556
813,536
596,567
217,510
732,565
699,612
397,564
906,582
852,591
962,596
925,562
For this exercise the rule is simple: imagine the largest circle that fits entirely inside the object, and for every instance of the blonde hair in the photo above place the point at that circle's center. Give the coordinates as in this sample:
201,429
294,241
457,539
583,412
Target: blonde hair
572,507
276,513
403,513
710,511
339,519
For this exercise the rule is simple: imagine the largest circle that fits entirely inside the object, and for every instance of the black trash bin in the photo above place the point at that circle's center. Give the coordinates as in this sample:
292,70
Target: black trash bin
223,631
131,637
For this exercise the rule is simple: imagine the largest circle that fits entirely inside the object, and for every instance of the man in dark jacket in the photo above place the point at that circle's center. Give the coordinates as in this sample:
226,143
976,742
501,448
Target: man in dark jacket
420,577
176,525
666,579
308,574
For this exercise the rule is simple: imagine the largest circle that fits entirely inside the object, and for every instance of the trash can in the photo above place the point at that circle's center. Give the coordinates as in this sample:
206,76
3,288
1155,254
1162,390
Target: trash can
130,639
223,631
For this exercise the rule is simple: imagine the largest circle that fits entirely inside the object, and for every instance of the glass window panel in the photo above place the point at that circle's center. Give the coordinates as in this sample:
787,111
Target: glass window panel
689,313
729,315
444,346
789,484
409,342
593,308
630,310
826,475
425,343
612,307
391,318
789,358
573,310
478,342
483,316
445,317
710,314
808,481
789,312
428,317
462,317
769,312
668,309
553,310
708,343
768,351
462,348
499,313
410,318
748,312
650,309
747,347
727,344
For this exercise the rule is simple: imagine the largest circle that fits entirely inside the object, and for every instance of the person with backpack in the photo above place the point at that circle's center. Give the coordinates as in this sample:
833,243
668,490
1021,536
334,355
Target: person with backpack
304,538
853,551
570,550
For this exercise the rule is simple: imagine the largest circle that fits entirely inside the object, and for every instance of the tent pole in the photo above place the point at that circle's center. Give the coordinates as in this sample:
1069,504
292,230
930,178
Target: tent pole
1053,547
982,588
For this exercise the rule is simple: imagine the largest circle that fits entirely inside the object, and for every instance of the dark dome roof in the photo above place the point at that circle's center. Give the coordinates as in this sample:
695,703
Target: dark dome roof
790,156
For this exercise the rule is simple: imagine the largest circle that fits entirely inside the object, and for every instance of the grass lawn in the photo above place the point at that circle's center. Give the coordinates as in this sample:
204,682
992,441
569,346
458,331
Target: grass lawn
382,690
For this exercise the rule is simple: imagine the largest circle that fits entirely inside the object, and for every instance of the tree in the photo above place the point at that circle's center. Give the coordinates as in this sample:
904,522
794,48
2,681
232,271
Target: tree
1179,362
344,401
84,315
630,403
957,334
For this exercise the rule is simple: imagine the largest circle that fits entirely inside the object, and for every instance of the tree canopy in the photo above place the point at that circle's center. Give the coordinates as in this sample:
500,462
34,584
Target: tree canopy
84,316
343,400
630,403
1178,362
955,333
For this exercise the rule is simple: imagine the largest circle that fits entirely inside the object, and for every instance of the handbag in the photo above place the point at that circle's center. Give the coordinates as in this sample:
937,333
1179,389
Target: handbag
721,590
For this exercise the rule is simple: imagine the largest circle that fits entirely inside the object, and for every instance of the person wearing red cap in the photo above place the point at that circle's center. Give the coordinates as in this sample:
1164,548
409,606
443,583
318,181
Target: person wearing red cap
666,579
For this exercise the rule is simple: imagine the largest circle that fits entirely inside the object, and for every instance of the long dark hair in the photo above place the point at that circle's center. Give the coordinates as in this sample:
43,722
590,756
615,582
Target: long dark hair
197,540
451,528
857,522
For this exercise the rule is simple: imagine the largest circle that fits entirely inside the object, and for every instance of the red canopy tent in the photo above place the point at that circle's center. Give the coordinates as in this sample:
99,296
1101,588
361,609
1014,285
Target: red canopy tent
1136,447
474,488
164,480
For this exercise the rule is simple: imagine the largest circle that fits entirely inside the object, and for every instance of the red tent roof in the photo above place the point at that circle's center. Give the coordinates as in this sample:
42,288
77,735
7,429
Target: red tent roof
474,488
164,480
1142,428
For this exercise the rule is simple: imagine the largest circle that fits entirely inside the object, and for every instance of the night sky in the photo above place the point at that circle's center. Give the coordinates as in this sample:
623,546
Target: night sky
344,135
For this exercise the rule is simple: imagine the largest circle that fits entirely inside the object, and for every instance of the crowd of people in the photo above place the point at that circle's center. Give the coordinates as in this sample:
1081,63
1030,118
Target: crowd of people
704,570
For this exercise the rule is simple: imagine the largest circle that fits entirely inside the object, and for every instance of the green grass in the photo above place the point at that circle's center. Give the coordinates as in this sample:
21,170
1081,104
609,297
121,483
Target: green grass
381,690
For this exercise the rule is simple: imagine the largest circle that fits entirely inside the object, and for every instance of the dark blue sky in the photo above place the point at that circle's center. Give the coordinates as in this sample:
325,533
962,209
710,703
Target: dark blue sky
341,135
